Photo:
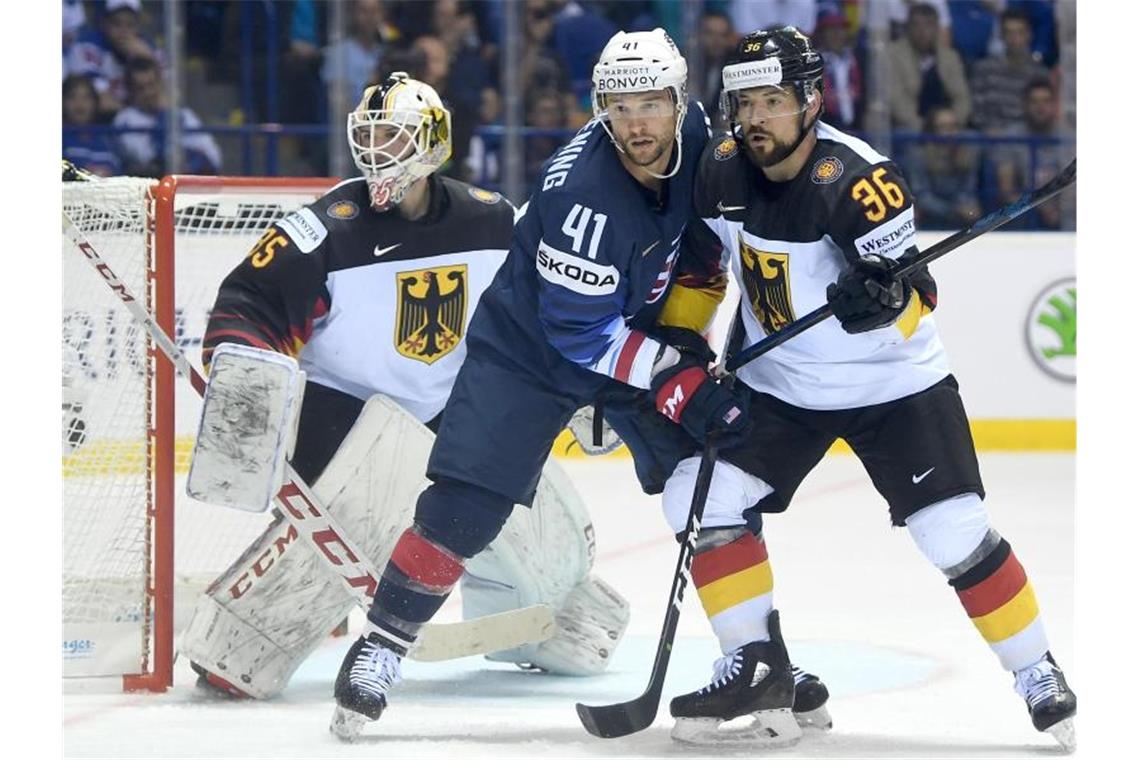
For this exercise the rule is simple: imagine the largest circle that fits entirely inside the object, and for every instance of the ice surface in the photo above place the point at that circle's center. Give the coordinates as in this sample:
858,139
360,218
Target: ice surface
909,675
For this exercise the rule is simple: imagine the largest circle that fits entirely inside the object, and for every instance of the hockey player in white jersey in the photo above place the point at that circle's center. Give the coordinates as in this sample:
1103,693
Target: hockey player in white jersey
810,215
371,288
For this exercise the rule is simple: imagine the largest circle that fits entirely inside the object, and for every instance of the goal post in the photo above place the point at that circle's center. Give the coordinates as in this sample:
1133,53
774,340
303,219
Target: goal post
137,550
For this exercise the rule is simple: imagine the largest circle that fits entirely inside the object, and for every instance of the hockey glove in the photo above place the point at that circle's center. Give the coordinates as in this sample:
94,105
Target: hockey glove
689,396
686,341
868,295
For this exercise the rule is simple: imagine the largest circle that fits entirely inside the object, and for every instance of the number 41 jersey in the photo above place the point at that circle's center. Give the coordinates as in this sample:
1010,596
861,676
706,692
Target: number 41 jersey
789,240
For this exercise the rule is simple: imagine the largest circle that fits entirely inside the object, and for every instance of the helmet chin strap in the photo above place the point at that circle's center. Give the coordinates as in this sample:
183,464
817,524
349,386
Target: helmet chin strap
676,141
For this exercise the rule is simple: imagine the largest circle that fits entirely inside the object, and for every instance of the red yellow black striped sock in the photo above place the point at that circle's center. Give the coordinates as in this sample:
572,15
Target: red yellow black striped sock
999,599
734,582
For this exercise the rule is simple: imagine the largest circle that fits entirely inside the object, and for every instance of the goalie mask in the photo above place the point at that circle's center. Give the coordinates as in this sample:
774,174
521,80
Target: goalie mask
399,133
640,62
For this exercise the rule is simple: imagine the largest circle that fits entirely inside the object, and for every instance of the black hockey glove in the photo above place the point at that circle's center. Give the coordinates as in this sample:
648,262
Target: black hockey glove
868,295
686,341
688,395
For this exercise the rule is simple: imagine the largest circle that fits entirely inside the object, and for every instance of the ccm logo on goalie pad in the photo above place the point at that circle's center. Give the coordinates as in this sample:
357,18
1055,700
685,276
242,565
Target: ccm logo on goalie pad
261,565
574,273
305,229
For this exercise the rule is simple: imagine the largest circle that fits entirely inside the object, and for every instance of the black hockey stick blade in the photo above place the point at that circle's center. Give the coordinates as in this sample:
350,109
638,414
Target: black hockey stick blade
611,721
625,718
987,223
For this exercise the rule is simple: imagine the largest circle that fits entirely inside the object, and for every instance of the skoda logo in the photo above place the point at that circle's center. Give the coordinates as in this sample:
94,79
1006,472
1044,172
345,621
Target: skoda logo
1051,330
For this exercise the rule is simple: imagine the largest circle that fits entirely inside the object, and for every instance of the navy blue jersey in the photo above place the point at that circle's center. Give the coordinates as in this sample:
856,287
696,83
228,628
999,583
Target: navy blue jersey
592,257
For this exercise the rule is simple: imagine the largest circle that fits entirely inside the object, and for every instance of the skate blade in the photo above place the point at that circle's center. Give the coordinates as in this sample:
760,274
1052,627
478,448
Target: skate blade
818,719
347,725
1065,732
767,728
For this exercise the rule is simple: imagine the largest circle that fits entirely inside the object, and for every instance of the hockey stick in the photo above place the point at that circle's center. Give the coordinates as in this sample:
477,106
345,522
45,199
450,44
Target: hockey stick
624,718
609,721
314,523
987,223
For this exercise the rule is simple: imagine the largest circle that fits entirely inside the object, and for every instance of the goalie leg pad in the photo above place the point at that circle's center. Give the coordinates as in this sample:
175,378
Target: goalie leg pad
279,600
544,555
249,417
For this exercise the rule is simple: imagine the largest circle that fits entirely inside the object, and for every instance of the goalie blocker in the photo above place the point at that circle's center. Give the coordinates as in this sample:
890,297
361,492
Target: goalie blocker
261,618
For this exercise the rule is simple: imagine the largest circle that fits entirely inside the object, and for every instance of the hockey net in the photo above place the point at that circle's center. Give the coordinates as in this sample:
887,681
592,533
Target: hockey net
137,550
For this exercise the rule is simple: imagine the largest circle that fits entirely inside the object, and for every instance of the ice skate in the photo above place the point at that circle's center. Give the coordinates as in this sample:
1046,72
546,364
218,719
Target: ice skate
1052,704
369,670
756,682
810,704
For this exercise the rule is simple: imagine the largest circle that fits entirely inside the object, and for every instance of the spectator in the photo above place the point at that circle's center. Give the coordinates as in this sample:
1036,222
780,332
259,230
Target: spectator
545,110
541,69
1033,163
101,52
351,63
142,152
74,17
579,36
924,72
842,73
1042,16
972,27
999,82
944,175
88,149
749,15
899,12
717,39
469,78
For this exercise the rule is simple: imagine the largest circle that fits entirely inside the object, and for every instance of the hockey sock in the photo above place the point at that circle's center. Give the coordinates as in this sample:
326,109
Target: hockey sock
734,582
415,584
956,537
999,599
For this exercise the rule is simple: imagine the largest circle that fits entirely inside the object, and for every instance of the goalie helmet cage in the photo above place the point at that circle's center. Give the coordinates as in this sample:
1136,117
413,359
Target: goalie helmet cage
128,421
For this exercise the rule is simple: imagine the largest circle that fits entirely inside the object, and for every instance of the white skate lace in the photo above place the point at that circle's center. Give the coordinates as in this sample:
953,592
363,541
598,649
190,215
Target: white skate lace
800,675
375,669
724,670
1037,683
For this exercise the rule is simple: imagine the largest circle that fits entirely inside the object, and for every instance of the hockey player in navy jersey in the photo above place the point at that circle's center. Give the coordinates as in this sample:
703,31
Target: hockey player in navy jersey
577,312
810,215
372,288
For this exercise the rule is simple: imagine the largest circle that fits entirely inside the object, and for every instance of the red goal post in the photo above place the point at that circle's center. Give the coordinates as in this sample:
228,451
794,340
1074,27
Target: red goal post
137,550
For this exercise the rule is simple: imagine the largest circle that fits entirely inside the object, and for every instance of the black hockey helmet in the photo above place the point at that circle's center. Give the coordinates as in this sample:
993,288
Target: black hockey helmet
780,57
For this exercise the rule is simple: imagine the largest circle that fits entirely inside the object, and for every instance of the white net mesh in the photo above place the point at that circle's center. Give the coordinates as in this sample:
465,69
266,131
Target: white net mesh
105,412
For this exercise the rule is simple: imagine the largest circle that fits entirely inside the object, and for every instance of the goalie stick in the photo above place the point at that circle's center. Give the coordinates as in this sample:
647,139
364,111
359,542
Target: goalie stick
325,537
610,721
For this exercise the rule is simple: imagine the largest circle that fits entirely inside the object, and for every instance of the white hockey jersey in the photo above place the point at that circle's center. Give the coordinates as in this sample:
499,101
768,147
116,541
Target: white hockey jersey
786,242
369,302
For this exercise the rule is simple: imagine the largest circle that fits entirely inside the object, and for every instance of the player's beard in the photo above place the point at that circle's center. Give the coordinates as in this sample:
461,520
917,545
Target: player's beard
774,152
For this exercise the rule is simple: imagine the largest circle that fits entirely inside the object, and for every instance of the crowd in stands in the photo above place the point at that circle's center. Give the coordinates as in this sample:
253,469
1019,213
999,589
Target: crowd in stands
973,95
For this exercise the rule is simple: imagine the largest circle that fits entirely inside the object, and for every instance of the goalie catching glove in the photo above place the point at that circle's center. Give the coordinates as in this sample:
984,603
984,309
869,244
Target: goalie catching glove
868,295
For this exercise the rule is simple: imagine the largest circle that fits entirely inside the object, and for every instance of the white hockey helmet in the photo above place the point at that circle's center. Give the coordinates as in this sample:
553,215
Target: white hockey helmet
400,132
641,62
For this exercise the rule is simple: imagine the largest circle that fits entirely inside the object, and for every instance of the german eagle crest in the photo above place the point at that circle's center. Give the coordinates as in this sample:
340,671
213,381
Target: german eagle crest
431,311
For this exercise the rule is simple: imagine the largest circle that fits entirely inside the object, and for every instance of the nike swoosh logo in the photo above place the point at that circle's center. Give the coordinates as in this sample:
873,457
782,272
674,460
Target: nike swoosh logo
650,248
916,479
381,251
725,209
